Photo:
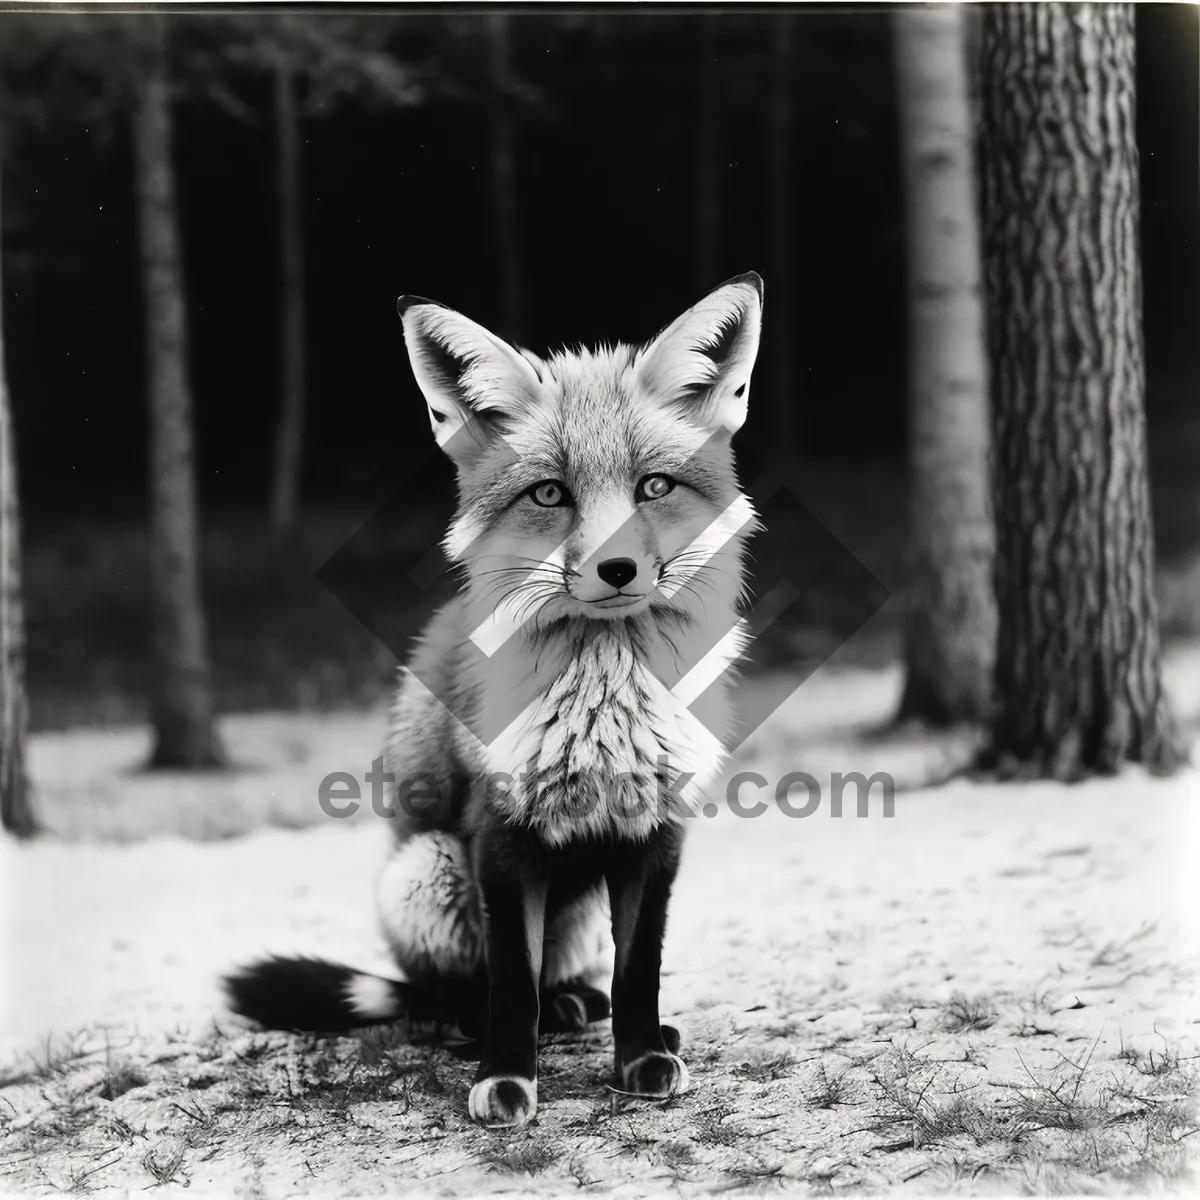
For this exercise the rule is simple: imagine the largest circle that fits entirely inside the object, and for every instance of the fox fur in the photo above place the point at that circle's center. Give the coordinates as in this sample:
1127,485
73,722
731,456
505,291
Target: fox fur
547,711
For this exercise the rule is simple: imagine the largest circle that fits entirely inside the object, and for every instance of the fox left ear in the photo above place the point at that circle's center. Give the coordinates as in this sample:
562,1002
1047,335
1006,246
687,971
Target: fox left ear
701,363
473,382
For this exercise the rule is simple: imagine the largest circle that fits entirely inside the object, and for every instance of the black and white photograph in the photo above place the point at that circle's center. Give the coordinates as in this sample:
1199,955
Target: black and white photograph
599,599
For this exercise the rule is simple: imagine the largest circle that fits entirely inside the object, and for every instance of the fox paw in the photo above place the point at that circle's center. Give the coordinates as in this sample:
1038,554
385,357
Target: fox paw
569,1010
567,1014
503,1101
656,1075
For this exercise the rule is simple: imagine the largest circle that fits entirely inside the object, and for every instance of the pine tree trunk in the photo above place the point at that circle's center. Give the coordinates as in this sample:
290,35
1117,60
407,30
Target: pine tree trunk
708,149
781,310
1077,675
510,268
972,34
182,709
289,443
951,620
16,813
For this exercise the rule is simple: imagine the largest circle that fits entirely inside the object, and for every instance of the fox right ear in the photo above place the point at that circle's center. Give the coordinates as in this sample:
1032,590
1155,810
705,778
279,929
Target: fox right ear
700,364
473,382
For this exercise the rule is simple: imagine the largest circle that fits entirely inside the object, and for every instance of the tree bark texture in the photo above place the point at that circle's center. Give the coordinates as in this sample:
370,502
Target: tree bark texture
1077,671
289,441
950,633
182,708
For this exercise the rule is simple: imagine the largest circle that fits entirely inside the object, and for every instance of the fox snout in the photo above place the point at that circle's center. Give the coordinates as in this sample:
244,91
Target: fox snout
615,579
611,556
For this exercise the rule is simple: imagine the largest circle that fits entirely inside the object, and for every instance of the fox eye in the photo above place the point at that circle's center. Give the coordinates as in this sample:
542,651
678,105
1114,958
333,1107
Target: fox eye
550,494
653,487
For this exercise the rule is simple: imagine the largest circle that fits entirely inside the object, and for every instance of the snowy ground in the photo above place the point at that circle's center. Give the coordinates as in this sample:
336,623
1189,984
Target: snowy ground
995,989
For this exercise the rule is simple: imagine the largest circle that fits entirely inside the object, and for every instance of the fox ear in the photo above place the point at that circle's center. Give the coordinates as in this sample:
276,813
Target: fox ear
701,363
473,382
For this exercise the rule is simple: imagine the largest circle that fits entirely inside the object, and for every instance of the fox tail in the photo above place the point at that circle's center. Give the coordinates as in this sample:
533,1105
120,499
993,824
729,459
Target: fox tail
315,996
310,995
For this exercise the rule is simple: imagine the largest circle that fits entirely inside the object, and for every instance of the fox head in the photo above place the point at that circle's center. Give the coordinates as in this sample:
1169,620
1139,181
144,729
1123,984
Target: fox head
595,483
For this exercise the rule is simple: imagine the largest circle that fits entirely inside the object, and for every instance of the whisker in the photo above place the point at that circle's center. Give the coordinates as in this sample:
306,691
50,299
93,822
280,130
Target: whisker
537,596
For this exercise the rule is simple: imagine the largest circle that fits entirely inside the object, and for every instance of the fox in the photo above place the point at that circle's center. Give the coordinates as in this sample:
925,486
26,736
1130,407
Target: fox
564,712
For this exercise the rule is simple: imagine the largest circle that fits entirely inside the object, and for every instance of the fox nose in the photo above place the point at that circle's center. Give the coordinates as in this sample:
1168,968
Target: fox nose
617,572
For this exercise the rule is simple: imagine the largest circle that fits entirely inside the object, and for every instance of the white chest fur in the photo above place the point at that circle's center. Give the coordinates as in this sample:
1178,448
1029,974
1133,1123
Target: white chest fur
604,749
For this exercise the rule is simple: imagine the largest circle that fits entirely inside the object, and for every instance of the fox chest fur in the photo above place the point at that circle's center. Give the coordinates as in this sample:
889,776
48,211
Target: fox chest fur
585,737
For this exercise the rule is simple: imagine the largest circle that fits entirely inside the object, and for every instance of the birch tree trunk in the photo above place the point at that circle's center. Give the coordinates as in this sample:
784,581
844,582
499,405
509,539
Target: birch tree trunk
708,150
16,813
950,631
510,267
182,709
782,309
1077,673
289,443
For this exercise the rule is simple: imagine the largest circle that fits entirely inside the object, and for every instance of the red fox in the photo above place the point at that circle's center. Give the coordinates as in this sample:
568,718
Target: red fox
550,709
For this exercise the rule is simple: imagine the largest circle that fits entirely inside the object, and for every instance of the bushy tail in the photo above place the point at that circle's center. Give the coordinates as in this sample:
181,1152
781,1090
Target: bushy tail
311,995
315,996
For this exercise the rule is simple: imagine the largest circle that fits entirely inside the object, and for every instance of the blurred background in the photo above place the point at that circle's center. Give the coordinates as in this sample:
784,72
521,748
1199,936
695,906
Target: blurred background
561,177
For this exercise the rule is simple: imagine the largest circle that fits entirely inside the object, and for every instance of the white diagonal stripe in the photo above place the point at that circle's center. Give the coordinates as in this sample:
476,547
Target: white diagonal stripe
713,665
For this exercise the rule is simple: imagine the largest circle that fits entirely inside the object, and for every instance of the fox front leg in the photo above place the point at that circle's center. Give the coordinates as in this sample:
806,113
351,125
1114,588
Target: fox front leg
514,904
639,887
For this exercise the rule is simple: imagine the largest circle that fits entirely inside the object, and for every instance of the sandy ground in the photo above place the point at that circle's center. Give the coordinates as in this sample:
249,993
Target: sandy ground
993,990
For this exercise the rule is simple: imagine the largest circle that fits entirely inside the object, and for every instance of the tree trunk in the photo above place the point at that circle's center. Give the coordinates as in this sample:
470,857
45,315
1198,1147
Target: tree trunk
1077,672
972,45
182,710
510,269
781,308
289,443
950,634
708,172
16,813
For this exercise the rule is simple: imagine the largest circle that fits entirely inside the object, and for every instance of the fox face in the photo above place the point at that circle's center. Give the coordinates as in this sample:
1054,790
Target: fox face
593,484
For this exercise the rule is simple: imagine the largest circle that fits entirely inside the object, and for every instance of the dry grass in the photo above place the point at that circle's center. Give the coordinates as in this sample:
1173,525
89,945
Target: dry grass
766,1065
963,1013
831,1088
902,1112
524,1158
